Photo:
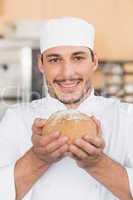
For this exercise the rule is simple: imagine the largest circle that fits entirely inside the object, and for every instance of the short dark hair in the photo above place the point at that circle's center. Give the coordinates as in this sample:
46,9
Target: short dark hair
92,54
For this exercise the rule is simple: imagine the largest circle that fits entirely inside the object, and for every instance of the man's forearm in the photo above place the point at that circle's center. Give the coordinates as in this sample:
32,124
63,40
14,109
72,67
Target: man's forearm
113,176
28,170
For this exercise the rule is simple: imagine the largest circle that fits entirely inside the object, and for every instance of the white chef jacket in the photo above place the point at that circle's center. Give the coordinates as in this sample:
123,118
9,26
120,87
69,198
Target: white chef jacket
65,180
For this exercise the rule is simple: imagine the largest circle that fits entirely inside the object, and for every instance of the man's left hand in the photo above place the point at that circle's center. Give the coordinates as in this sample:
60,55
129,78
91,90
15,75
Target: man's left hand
88,151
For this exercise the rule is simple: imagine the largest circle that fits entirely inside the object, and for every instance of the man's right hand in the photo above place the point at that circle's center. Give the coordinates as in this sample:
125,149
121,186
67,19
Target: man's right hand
50,148
45,151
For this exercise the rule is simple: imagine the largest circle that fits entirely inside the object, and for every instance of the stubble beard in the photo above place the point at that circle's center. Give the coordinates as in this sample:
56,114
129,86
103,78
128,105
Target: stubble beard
84,94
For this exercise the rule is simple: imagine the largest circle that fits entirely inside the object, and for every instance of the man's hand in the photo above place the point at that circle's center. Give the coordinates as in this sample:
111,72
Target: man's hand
88,151
50,148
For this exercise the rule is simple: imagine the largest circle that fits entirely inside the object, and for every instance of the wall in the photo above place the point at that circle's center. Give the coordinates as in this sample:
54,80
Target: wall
1,7
112,20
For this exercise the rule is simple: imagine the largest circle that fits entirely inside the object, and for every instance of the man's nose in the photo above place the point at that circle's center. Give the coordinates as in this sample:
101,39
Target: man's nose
68,70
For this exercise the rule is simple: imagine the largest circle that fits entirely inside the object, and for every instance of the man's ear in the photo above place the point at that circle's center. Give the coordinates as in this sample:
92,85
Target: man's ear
95,61
40,64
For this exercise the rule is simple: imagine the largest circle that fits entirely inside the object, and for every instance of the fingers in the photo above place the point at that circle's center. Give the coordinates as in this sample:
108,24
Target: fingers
88,148
39,122
51,157
53,146
36,139
83,151
98,123
49,148
42,141
77,153
45,140
59,153
56,144
96,120
98,142
37,126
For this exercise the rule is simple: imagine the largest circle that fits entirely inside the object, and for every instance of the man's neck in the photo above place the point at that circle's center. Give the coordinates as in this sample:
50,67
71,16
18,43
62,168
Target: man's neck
76,105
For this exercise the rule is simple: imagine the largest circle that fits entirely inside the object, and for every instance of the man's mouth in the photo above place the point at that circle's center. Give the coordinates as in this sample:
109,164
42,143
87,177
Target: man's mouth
68,84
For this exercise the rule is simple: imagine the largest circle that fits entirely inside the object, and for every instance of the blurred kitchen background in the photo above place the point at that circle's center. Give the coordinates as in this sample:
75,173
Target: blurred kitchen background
20,21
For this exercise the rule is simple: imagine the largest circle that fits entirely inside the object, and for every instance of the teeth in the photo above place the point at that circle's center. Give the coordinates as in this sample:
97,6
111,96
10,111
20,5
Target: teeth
72,85
69,84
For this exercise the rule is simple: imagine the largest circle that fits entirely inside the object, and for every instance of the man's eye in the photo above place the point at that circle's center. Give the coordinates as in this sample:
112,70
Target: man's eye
78,58
54,60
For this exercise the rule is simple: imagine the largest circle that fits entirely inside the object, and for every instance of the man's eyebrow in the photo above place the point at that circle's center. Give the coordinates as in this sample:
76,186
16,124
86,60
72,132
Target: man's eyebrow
79,52
58,55
52,55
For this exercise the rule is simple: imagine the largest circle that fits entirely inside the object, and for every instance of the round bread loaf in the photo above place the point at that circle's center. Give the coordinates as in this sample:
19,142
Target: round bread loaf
71,123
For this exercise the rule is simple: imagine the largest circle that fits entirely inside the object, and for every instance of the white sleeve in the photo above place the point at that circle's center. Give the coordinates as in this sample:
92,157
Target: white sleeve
7,189
130,178
10,152
129,147
129,168
7,186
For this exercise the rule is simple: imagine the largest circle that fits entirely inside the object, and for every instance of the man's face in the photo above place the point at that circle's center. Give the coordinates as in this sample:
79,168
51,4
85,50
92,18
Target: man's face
68,71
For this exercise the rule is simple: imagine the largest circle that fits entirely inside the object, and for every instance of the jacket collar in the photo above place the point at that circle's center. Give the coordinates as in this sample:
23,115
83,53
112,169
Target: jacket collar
60,106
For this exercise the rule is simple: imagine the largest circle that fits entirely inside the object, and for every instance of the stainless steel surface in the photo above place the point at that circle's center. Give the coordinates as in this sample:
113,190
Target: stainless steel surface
15,72
26,64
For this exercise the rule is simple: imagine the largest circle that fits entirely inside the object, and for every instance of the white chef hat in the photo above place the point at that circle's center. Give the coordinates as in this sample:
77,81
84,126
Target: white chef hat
66,31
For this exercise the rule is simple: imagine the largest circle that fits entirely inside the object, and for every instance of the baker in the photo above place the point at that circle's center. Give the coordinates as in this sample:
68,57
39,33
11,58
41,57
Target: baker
36,167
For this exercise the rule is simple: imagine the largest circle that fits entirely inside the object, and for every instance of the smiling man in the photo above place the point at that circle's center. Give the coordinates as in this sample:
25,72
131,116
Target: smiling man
68,70
36,167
